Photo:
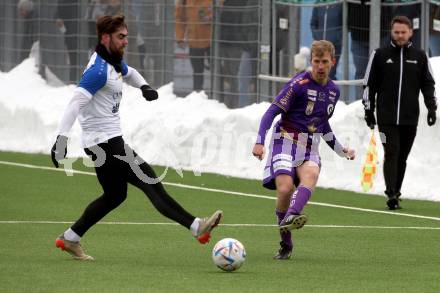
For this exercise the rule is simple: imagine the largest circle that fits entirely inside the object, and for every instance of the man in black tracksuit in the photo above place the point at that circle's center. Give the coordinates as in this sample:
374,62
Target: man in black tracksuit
394,77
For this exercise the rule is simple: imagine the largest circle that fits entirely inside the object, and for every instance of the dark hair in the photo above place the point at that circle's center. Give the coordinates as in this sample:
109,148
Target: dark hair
109,24
320,47
401,19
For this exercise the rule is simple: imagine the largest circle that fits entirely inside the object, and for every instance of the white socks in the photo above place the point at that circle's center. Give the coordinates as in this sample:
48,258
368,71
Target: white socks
194,226
71,236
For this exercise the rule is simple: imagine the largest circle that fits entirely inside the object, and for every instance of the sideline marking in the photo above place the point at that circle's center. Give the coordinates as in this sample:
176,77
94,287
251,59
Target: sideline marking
227,225
233,192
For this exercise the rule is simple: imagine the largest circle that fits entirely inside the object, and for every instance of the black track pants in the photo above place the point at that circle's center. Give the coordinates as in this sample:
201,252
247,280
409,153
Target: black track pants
397,143
114,173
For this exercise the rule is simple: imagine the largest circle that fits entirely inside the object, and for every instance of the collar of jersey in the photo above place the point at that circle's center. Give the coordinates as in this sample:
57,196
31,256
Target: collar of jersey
407,45
114,60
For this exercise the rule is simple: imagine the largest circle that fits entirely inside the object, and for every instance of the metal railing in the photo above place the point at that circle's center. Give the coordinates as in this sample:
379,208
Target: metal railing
219,46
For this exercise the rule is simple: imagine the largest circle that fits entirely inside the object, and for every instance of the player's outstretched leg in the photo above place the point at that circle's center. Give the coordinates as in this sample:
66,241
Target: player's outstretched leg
72,247
167,206
206,225
291,222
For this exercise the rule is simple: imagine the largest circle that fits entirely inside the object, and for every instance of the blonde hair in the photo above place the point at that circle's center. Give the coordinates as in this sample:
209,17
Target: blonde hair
320,47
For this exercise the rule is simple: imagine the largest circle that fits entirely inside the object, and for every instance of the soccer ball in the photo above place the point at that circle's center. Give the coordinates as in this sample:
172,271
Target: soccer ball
228,254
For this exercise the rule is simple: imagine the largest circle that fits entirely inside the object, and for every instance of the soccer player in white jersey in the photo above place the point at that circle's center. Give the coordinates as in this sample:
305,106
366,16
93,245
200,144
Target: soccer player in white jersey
96,105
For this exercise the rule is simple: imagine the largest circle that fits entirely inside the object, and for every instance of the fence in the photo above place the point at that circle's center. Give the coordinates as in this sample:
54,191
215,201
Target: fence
220,46
350,26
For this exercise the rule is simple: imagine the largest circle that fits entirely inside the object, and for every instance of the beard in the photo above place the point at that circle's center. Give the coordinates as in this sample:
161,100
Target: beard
118,52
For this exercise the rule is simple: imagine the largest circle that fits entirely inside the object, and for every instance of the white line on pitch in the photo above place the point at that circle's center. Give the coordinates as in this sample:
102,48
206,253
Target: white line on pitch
234,192
228,225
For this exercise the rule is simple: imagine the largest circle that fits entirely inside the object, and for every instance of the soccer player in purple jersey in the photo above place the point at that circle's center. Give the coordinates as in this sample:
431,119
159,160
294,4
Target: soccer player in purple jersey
305,103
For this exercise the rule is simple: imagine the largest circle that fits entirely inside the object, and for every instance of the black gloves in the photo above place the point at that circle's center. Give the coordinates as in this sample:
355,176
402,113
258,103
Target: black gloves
59,150
431,117
149,93
370,119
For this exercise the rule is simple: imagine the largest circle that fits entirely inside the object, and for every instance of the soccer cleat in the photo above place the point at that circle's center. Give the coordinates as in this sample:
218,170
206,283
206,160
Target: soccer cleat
203,239
73,248
284,252
393,203
293,221
207,224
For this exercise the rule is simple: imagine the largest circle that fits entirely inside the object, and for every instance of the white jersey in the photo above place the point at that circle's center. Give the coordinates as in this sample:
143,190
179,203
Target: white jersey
96,101
99,119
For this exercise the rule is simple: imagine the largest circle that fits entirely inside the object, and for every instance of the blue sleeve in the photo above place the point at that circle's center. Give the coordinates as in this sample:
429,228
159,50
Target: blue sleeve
94,78
124,68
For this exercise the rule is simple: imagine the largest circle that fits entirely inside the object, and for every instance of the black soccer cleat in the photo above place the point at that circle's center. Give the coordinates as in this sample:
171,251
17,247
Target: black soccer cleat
284,252
393,203
291,222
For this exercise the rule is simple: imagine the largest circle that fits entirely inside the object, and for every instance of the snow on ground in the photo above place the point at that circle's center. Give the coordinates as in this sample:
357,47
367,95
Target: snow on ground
199,134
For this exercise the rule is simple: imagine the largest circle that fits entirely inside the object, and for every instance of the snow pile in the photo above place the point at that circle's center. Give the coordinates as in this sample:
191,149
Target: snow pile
195,133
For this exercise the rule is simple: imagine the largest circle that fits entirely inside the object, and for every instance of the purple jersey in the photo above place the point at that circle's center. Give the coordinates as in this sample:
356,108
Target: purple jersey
306,105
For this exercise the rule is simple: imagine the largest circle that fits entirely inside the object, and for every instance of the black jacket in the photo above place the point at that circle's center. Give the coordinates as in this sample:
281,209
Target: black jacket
395,76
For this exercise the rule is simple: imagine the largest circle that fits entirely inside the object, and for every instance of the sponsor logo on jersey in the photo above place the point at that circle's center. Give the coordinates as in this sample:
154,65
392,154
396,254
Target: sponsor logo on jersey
332,96
330,109
311,92
390,61
115,108
311,128
321,96
285,99
309,108
313,99
117,101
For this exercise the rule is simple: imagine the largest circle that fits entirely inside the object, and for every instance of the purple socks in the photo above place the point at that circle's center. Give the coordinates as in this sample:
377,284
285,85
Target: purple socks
299,199
286,237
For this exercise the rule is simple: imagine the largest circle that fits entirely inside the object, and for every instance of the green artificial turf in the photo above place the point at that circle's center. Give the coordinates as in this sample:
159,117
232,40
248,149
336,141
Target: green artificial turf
138,250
